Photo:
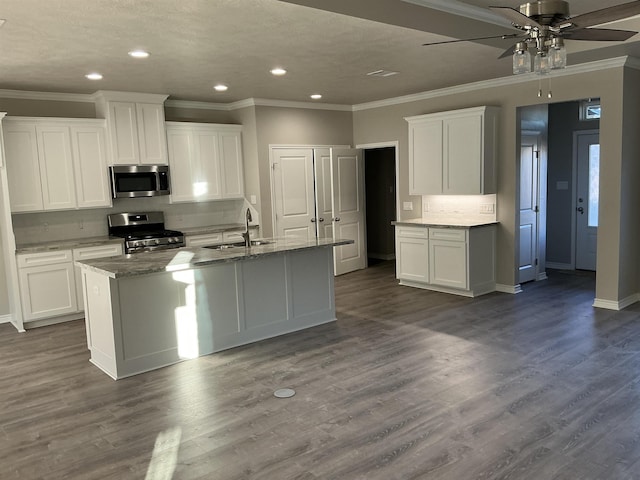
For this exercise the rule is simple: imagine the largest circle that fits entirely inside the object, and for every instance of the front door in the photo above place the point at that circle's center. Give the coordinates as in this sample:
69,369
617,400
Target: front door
295,210
587,196
529,151
348,209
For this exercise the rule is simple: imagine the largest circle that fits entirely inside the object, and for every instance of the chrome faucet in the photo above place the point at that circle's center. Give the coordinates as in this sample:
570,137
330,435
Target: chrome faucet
245,235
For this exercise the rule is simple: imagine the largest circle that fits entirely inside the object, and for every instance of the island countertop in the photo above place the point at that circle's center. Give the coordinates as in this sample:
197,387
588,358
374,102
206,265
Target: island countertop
191,257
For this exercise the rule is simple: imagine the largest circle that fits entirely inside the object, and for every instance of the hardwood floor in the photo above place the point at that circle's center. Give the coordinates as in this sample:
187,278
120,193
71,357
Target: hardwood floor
407,384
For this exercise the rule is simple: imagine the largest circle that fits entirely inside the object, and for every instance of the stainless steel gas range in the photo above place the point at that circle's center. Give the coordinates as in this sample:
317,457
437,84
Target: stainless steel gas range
143,232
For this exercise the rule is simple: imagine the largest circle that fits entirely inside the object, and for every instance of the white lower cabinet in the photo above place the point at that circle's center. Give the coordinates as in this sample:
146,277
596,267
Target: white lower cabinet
88,253
412,254
452,260
50,285
47,285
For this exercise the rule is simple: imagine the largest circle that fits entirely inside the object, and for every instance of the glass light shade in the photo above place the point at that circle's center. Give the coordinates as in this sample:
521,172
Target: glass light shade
541,63
558,57
521,59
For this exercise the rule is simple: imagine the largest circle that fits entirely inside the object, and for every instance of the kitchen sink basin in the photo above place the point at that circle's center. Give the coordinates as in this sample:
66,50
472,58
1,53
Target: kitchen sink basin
224,246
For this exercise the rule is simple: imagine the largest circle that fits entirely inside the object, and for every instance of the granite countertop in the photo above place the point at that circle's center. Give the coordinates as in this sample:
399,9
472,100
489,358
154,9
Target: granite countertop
214,229
66,244
447,221
190,257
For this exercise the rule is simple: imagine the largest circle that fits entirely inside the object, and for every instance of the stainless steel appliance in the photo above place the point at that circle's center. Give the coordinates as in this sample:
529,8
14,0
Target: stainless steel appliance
143,231
139,180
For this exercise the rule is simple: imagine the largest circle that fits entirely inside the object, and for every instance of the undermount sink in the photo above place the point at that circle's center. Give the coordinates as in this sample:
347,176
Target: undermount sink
224,246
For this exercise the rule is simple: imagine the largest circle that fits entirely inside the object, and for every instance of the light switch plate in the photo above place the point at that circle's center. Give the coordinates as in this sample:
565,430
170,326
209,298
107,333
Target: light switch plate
407,205
253,200
487,208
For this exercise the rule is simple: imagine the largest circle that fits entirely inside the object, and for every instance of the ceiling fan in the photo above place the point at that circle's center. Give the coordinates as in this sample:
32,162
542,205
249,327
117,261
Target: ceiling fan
545,24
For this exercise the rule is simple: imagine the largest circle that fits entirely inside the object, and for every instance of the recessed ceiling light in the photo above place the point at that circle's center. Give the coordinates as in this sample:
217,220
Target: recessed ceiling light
138,54
94,76
220,88
316,96
278,71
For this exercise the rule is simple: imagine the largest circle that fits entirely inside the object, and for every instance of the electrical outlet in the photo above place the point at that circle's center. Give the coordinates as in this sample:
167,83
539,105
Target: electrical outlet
426,206
253,199
407,205
487,208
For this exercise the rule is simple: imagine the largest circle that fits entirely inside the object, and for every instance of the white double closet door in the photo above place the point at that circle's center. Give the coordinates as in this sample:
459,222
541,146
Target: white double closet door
319,193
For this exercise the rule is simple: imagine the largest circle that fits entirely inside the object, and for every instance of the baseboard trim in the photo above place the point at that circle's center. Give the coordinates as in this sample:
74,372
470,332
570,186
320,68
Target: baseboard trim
541,276
559,266
5,318
382,256
513,289
616,304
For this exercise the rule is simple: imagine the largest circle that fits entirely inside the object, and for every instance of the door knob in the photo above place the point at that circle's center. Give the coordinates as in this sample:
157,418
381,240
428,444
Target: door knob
313,220
321,219
336,219
581,210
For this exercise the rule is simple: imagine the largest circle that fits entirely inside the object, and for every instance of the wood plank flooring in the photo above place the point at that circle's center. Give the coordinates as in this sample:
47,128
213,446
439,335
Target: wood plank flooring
407,384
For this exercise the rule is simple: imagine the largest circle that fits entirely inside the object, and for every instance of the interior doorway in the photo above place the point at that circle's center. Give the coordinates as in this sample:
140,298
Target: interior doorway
380,188
567,187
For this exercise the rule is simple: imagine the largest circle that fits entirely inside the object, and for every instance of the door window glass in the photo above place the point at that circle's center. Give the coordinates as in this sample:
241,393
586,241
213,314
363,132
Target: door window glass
594,184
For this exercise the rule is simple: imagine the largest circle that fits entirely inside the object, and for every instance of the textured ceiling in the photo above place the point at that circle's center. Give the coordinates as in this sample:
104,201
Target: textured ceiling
327,46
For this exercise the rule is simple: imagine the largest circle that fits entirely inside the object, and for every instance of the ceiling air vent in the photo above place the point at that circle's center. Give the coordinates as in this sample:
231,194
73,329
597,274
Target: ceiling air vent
381,73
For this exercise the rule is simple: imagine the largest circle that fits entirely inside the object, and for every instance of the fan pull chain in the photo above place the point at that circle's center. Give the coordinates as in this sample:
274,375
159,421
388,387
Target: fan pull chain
549,92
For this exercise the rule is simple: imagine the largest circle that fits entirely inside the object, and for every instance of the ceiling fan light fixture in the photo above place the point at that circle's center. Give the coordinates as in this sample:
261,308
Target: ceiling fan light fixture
557,54
521,59
541,64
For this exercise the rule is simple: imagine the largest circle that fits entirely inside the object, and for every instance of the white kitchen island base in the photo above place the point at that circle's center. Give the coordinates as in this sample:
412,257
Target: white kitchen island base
143,322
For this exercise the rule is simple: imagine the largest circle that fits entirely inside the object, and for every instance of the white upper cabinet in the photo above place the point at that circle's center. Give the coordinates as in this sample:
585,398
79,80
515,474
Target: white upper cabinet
205,161
231,157
135,127
453,152
23,166
90,166
55,164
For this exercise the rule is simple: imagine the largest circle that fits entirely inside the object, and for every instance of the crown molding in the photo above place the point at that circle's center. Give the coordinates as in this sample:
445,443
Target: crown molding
626,61
53,96
256,102
496,82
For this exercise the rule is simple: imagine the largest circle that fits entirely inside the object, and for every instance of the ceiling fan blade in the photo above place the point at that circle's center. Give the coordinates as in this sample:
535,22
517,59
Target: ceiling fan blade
598,34
516,17
508,52
604,15
511,35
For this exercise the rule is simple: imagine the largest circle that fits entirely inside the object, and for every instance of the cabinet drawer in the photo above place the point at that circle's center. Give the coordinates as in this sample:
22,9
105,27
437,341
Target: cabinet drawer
232,236
200,240
86,253
451,234
46,258
412,232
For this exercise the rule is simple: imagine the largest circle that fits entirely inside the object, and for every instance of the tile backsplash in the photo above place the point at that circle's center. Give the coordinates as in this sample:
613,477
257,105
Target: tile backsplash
460,204
83,223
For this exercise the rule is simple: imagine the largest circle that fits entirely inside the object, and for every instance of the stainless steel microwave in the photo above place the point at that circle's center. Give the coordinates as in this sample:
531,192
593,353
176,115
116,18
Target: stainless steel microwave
130,181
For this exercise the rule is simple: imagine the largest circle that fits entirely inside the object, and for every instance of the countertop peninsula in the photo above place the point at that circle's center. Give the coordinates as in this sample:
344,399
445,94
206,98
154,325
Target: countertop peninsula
447,221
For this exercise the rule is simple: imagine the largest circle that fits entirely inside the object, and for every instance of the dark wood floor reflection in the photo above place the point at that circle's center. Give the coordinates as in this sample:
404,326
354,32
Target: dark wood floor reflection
408,384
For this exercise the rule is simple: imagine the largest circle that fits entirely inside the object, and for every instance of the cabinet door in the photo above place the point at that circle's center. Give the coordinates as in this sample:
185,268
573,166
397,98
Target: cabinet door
47,291
208,176
425,158
151,134
463,155
90,165
123,131
182,164
412,254
56,167
23,167
231,158
448,264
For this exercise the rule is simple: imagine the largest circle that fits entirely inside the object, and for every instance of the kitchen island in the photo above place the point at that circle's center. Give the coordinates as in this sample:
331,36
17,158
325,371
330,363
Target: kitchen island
148,310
